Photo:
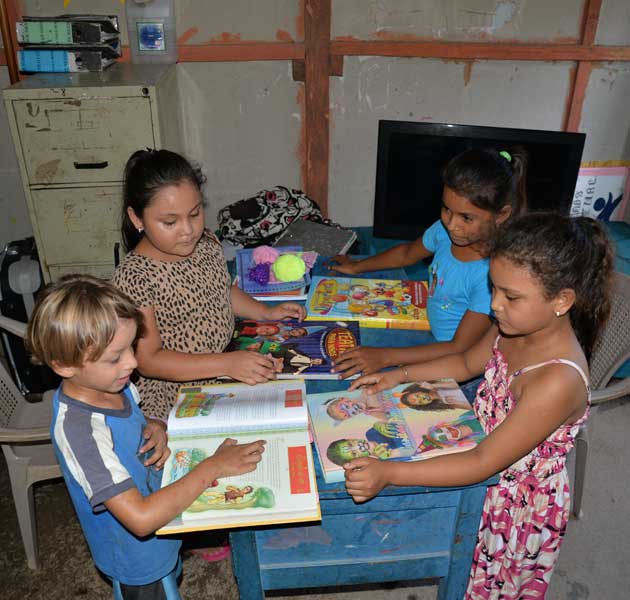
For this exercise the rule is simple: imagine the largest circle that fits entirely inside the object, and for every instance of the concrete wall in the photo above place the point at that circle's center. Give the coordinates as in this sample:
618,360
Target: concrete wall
243,121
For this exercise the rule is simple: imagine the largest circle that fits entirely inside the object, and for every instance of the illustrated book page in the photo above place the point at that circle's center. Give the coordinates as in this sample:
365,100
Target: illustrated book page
412,421
282,489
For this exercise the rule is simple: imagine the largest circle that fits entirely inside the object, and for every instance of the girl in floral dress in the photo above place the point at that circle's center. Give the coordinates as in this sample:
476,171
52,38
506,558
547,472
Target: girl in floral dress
550,277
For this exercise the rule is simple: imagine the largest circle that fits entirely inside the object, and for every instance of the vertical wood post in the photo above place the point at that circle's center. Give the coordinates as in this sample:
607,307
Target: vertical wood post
317,103
579,83
8,17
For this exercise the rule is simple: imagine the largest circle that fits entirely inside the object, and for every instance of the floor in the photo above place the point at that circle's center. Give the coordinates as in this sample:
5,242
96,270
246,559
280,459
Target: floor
593,562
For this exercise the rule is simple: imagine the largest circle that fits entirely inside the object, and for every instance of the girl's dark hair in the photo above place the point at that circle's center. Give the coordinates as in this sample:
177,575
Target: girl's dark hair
436,404
490,178
146,173
564,252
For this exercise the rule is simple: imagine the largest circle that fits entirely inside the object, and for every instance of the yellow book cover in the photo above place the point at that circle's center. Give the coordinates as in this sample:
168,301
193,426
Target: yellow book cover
380,303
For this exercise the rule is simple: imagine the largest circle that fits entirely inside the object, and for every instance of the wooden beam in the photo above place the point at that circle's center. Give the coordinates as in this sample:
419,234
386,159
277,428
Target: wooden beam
9,14
481,51
590,20
335,68
317,88
574,113
579,83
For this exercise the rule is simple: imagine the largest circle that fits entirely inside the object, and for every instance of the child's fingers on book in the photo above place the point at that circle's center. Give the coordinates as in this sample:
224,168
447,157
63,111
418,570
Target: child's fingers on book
350,372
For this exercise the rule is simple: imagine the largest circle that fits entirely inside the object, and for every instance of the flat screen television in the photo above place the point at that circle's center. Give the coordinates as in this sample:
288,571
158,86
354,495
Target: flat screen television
411,155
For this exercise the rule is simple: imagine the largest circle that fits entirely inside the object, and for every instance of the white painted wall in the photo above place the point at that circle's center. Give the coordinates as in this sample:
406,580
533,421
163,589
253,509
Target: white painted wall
497,93
242,121
458,20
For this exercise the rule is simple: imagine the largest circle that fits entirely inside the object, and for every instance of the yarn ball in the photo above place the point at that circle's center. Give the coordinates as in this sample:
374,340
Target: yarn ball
288,267
260,274
265,254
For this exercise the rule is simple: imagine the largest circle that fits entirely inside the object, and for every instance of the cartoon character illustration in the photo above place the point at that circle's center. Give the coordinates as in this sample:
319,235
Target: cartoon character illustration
199,404
233,497
461,432
426,396
185,460
341,408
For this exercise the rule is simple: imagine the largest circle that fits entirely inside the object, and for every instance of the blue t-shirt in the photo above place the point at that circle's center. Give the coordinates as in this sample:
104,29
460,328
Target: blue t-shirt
98,453
454,286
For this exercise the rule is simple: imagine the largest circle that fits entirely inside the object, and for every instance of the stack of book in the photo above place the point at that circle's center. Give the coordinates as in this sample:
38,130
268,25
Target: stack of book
272,291
68,43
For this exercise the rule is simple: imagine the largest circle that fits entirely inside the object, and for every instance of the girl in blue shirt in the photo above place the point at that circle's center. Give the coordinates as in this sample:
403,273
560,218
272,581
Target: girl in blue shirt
482,189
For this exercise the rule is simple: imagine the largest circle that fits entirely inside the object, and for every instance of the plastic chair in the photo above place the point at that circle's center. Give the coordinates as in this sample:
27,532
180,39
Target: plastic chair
611,351
25,440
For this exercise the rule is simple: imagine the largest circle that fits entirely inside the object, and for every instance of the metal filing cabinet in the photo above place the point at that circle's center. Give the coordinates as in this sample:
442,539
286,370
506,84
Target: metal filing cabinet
73,134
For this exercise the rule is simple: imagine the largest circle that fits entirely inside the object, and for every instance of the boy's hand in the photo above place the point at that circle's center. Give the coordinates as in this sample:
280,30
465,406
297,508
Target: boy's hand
285,310
363,359
155,434
232,458
250,367
344,264
377,382
365,477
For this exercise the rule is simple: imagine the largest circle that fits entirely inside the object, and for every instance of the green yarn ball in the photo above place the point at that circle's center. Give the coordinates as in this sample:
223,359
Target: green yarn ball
288,267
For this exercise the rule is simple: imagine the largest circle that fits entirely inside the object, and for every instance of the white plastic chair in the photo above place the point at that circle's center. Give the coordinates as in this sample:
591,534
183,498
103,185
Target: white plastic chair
25,440
611,351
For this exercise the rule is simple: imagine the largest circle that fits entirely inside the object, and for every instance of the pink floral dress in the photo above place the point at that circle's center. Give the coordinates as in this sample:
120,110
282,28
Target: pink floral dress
525,514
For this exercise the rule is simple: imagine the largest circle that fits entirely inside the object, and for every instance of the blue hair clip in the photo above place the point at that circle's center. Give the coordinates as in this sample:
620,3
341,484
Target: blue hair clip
505,154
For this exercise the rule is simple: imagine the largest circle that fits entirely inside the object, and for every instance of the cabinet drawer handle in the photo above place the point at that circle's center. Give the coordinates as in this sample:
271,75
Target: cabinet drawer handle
91,165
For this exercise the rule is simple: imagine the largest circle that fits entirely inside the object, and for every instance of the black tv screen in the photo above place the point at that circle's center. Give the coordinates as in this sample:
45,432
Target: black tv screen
411,155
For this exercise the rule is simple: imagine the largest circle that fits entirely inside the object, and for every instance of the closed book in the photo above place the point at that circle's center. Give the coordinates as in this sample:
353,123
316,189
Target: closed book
382,303
305,349
326,240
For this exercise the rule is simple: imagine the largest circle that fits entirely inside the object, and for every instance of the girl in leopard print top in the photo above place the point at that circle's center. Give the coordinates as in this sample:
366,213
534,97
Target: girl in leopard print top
176,274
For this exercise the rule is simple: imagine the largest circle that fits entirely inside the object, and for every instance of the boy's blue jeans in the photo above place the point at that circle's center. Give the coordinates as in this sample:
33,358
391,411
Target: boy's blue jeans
163,589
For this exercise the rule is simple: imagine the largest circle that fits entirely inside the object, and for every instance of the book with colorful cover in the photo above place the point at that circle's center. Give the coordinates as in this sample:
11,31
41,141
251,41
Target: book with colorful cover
383,303
245,261
304,349
412,421
283,487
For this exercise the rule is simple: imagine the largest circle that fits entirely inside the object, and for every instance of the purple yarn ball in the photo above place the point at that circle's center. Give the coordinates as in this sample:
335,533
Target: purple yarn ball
260,273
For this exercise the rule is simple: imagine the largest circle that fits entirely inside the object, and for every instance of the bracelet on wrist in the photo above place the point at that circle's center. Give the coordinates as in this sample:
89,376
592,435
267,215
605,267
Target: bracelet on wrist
405,373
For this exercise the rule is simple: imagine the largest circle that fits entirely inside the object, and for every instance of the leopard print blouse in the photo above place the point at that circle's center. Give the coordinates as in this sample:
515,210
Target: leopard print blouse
193,310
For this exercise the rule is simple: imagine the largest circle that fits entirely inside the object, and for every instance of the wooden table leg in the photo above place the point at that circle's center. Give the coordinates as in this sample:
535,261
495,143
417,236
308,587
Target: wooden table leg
453,586
246,566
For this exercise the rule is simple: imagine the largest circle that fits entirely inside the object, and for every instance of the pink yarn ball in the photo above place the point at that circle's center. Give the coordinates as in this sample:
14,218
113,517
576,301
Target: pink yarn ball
264,254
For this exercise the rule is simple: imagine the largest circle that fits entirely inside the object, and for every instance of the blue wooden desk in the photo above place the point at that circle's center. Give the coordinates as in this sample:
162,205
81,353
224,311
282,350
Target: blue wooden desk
405,533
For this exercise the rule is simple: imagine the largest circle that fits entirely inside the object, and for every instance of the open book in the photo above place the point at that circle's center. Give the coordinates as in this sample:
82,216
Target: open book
412,421
304,350
282,489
